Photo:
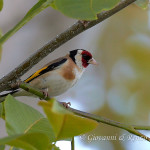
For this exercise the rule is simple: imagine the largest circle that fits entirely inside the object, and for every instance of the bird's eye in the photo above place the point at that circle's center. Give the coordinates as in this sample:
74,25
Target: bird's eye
86,56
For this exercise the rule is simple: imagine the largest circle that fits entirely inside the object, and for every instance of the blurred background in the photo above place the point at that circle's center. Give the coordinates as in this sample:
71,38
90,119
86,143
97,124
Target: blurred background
118,88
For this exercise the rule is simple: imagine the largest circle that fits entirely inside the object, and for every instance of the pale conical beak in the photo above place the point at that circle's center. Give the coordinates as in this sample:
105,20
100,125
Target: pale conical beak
92,61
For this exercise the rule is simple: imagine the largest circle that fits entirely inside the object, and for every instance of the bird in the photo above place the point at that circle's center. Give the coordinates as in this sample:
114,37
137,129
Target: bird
56,77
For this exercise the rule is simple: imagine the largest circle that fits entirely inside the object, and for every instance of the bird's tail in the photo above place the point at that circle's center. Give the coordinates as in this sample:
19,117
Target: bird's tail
2,97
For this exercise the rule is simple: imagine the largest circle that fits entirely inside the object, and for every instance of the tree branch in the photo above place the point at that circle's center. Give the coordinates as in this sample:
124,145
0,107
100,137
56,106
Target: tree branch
77,28
130,128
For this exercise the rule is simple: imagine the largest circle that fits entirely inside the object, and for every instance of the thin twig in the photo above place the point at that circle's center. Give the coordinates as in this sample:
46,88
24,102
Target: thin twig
74,30
130,128
32,90
72,144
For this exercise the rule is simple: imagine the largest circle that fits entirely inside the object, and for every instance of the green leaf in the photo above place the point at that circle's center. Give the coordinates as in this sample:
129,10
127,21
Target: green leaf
85,9
37,8
30,141
42,126
1,110
99,5
142,3
53,5
19,116
64,123
1,4
76,9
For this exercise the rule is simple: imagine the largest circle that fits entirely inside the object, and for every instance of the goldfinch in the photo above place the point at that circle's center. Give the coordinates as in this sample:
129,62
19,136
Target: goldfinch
59,75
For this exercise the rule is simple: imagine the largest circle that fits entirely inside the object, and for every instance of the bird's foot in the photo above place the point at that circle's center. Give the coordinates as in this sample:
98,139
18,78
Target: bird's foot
66,105
16,84
45,93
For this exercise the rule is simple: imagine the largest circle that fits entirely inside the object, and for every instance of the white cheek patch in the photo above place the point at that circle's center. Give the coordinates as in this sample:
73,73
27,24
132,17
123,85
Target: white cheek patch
78,59
80,51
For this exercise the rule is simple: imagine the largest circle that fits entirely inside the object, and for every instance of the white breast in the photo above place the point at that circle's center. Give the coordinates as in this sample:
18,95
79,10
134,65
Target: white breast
57,85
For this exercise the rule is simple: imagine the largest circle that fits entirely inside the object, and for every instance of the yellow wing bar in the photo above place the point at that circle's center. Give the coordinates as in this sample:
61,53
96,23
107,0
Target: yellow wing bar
50,67
37,73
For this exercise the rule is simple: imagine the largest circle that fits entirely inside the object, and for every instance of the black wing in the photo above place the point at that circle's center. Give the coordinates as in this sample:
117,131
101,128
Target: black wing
46,69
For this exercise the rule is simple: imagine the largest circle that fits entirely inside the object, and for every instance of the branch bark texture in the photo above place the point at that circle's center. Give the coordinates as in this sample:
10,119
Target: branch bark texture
77,28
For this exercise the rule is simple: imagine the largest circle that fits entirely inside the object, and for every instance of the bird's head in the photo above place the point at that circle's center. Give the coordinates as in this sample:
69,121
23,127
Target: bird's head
82,58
